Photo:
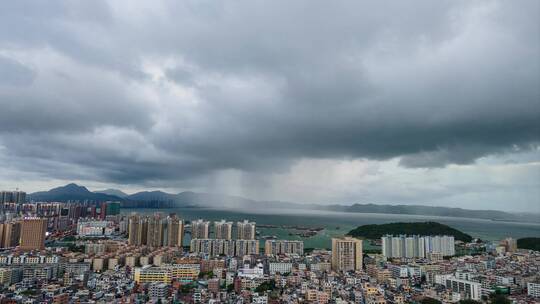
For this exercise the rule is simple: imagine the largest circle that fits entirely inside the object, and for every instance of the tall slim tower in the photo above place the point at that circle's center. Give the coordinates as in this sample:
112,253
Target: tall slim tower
154,236
346,254
223,230
10,234
175,231
245,230
199,229
135,230
33,233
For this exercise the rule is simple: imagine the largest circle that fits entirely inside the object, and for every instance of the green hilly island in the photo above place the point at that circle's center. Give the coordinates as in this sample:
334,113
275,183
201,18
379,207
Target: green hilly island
416,228
532,243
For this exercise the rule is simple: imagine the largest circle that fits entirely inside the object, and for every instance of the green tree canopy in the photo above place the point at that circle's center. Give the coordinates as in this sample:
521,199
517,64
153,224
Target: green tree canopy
499,299
430,301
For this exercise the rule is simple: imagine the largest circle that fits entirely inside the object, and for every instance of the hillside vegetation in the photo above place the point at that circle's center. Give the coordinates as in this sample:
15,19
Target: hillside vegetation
418,228
532,243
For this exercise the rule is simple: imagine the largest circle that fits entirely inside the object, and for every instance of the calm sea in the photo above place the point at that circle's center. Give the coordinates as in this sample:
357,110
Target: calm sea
339,223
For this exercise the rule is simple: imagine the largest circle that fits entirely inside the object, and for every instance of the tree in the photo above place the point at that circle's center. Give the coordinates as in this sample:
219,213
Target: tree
469,302
499,299
430,301
205,274
186,288
270,285
70,238
74,248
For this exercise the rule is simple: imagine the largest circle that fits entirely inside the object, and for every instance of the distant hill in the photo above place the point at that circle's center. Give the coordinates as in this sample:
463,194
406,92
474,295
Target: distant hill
418,228
114,192
532,243
71,192
430,210
151,196
143,199
160,199
156,199
405,209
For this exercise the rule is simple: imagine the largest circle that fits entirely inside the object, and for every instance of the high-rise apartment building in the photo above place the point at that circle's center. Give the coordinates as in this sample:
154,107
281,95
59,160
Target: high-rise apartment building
417,246
200,229
397,247
245,230
137,230
217,247
175,232
154,232
33,232
411,247
205,246
10,234
274,247
346,254
440,243
247,247
223,230
224,247
510,244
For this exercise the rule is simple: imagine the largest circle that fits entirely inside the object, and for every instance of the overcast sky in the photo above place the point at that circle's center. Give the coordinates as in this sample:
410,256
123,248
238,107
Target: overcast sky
410,102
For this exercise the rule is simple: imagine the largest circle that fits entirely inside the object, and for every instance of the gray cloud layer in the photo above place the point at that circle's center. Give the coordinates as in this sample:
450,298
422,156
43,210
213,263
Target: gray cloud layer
133,93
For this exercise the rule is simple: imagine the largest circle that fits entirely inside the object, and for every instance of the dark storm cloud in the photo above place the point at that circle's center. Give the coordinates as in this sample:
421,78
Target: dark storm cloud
129,93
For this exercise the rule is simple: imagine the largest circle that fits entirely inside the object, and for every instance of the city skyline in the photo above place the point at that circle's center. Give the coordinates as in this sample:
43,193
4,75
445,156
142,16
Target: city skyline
424,103
63,251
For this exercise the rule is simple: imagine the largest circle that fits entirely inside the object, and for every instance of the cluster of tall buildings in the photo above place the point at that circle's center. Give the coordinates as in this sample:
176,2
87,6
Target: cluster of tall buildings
11,199
61,216
509,244
17,197
415,246
28,234
223,230
159,231
155,230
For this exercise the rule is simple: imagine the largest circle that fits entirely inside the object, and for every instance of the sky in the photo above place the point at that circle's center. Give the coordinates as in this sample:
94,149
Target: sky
392,102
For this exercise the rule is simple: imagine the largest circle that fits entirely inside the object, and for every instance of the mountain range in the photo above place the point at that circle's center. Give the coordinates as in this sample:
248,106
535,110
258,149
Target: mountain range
114,192
160,199
71,192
